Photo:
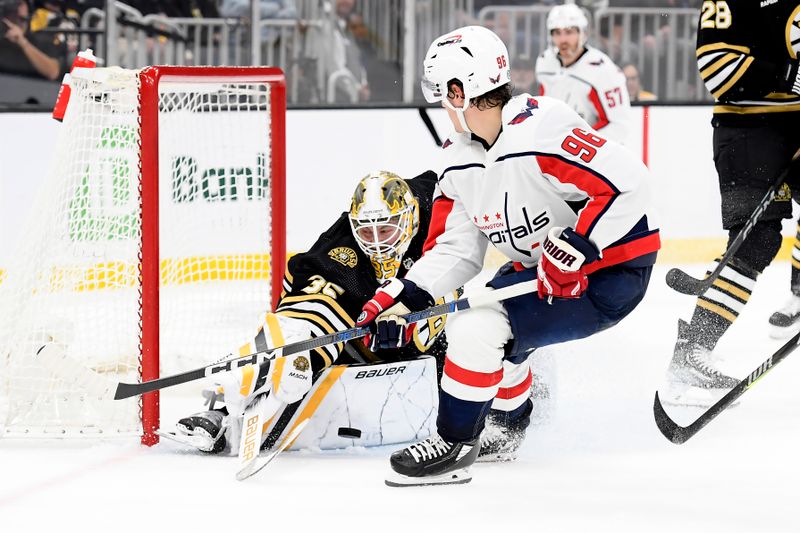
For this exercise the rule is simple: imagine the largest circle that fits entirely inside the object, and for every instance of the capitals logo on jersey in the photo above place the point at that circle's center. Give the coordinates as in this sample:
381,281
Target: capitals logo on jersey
526,113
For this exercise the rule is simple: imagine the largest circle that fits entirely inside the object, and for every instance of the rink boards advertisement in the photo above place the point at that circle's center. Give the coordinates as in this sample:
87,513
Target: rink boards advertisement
323,168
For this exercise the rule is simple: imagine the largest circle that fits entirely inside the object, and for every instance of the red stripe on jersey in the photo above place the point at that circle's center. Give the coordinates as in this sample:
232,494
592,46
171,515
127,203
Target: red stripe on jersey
599,190
541,89
625,252
471,377
441,210
602,118
512,392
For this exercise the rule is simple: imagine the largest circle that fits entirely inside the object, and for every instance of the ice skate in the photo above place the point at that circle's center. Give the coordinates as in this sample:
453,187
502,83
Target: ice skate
692,378
501,439
433,461
204,431
785,322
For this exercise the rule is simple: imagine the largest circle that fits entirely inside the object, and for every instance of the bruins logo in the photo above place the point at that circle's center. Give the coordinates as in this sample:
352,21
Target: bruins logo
784,194
793,33
344,255
301,364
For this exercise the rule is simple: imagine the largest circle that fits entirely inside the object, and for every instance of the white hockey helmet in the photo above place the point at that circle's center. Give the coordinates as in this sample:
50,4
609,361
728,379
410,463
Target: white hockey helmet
473,55
568,16
384,215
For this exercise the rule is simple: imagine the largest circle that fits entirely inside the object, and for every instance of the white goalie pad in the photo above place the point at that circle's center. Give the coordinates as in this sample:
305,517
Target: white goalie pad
367,405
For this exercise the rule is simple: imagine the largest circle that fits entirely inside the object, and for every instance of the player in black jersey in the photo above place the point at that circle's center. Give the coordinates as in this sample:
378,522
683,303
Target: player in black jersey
747,55
324,289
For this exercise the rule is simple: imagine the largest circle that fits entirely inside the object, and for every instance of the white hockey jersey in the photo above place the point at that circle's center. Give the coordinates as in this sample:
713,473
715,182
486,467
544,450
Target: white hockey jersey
593,86
547,168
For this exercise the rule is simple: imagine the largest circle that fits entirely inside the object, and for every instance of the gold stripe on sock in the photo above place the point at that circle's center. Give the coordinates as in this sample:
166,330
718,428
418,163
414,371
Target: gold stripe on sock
730,289
719,310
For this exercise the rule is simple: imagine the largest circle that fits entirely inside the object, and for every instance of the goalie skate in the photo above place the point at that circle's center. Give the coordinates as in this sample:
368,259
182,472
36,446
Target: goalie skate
433,461
204,431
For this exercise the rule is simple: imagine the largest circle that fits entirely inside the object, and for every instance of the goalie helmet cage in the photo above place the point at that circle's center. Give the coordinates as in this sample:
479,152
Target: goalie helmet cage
156,245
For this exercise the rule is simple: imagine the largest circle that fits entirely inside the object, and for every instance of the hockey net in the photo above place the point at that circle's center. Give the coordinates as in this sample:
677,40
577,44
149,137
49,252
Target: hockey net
155,246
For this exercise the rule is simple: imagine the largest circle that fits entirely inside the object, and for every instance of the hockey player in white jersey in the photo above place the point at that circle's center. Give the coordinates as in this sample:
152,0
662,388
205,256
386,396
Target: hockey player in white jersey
582,76
565,204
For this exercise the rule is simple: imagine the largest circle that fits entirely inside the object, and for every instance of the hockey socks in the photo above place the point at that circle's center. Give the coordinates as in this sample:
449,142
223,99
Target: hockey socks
721,304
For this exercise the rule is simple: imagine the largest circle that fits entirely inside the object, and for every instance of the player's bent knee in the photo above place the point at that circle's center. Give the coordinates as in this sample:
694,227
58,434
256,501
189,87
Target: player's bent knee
481,331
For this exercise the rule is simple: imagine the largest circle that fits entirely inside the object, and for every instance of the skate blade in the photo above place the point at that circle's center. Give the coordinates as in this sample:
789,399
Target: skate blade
779,333
681,395
497,458
192,441
456,477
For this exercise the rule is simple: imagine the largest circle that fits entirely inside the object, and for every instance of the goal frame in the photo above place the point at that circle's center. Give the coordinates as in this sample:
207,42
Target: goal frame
149,80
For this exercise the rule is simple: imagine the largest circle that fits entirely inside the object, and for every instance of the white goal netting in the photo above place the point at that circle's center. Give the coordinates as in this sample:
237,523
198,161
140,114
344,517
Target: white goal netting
75,284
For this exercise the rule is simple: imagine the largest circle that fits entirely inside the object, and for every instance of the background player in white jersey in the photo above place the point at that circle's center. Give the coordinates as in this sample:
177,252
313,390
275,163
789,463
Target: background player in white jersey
582,76
566,205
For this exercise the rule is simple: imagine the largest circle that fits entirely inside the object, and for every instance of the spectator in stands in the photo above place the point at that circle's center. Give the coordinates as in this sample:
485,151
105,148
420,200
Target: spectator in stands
267,10
635,90
24,52
523,77
344,72
57,14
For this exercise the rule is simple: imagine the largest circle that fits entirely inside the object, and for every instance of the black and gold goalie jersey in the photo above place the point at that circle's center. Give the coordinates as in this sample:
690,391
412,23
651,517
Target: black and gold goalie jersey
328,285
743,49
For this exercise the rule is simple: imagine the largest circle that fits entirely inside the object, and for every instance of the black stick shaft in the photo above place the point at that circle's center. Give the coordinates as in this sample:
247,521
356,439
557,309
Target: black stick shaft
679,434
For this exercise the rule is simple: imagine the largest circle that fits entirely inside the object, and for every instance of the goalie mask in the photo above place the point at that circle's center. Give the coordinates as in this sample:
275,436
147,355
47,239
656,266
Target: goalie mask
384,216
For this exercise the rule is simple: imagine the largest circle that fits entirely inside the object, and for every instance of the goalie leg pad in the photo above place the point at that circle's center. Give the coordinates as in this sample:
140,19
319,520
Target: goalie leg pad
383,403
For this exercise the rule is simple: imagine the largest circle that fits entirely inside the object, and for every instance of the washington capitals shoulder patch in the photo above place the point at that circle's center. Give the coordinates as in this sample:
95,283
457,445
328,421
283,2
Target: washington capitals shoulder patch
527,112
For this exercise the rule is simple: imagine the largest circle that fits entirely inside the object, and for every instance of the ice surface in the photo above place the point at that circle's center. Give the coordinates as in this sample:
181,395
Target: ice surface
599,465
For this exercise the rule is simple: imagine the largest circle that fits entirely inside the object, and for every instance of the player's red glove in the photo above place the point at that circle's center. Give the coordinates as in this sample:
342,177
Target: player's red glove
383,313
560,271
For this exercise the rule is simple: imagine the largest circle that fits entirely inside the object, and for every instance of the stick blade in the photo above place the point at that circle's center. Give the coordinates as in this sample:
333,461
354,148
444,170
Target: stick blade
257,465
126,390
682,282
671,430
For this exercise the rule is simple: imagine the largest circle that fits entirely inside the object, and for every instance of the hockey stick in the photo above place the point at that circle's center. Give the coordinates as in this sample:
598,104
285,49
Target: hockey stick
686,284
258,463
255,416
679,434
126,390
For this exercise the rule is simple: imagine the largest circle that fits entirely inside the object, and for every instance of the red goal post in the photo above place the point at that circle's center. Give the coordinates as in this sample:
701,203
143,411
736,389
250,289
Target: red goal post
150,79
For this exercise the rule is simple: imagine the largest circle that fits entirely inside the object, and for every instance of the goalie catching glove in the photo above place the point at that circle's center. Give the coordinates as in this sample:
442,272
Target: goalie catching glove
383,314
565,253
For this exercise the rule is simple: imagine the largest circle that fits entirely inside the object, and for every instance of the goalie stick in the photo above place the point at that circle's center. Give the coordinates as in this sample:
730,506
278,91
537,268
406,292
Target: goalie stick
253,421
680,434
682,282
127,390
259,463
